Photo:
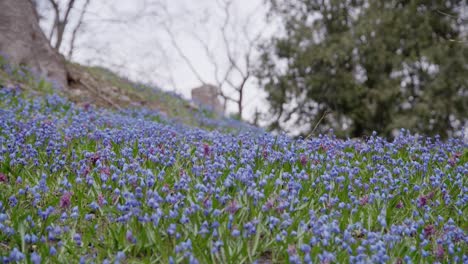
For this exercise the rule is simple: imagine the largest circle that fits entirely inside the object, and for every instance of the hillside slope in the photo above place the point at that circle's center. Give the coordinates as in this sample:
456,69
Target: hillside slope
102,88
86,184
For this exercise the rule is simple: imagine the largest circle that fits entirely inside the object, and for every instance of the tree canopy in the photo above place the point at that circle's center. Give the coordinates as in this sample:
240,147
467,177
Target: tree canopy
358,66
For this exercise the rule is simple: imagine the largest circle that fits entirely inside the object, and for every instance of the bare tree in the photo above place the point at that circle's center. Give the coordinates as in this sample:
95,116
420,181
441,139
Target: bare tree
63,23
77,28
233,78
60,22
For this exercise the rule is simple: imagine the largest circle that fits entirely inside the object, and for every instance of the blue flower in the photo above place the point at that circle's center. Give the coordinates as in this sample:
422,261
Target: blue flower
16,255
52,251
35,258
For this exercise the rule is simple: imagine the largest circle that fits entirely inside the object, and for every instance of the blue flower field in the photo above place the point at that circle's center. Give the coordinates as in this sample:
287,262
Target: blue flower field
90,185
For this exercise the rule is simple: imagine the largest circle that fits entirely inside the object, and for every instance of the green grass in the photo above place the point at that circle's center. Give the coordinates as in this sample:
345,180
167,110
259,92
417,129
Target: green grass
144,186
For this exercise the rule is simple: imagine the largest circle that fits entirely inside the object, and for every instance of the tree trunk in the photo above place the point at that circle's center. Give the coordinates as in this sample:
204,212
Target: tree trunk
24,42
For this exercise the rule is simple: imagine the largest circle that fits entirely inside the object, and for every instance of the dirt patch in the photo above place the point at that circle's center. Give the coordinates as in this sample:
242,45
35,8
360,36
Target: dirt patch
86,89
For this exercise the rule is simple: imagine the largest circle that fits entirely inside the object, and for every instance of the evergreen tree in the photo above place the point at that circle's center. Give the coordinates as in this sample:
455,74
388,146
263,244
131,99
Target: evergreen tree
362,65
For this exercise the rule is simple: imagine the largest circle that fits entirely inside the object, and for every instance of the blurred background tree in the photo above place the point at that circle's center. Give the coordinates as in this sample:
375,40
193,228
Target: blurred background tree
362,65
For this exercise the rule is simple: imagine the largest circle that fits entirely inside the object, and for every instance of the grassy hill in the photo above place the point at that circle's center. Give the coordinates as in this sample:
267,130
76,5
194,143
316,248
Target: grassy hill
126,184
102,88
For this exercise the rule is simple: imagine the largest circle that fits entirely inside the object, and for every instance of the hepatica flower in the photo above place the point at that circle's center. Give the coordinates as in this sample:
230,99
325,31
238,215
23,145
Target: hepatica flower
127,182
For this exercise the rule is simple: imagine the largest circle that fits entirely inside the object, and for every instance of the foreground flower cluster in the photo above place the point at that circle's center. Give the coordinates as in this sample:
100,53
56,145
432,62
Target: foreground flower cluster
95,186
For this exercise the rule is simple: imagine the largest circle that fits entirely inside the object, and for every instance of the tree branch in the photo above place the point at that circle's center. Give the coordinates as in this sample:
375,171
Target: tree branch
179,50
76,29
224,27
182,54
211,57
62,24
55,7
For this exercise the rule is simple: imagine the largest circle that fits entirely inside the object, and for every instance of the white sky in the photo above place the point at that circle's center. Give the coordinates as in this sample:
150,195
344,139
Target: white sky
140,48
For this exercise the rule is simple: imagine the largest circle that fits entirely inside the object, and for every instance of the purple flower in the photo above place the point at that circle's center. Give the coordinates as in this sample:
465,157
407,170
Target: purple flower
232,207
399,205
35,258
172,229
77,239
292,250
13,201
94,206
52,251
422,201
3,178
235,232
130,238
16,255
101,200
364,200
206,149
440,252
65,200
305,248
120,256
429,230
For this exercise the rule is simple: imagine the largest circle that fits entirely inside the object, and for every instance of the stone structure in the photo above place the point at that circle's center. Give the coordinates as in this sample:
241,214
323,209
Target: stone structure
207,95
24,43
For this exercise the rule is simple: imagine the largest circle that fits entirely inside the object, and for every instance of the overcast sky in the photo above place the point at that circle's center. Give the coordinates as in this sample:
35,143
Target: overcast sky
128,37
